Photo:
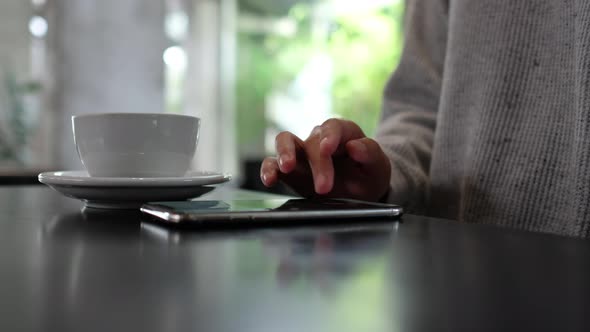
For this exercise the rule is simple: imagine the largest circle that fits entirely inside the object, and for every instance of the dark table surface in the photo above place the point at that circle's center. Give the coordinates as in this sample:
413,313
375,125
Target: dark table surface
61,270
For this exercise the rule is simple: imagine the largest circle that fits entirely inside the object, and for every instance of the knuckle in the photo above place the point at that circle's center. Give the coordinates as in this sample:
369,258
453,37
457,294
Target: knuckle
316,131
331,122
282,136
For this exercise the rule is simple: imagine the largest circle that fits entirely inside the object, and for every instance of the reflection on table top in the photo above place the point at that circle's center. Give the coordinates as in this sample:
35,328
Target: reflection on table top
62,270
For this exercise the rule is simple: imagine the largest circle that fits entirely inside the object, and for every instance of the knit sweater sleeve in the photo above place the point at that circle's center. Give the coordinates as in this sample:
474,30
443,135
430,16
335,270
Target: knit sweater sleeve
408,120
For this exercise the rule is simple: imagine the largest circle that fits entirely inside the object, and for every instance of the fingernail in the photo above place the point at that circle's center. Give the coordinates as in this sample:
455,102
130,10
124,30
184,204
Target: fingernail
263,177
320,182
281,161
362,148
323,146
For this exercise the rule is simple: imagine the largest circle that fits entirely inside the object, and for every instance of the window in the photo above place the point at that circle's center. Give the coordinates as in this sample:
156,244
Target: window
301,62
248,68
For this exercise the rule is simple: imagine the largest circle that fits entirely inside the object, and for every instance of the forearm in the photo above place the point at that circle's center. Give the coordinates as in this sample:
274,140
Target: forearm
411,97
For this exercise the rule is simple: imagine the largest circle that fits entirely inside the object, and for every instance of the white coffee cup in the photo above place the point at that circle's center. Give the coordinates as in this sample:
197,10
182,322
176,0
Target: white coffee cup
136,144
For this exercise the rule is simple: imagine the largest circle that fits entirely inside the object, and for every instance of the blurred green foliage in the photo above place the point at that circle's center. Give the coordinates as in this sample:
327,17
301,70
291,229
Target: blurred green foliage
15,135
364,47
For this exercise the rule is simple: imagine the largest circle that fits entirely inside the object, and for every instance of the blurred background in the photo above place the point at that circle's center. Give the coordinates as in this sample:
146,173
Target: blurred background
248,68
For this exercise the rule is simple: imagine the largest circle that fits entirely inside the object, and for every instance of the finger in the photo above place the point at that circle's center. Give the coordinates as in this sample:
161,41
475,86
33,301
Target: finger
286,145
300,181
335,133
269,171
374,165
321,166
324,142
367,152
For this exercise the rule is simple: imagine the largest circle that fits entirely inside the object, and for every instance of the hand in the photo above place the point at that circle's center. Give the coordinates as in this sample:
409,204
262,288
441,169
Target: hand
336,160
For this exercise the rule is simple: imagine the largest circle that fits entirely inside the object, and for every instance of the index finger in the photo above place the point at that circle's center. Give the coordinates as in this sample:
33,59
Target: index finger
287,145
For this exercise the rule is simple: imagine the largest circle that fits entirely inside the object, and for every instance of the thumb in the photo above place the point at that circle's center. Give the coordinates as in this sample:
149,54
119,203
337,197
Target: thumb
368,153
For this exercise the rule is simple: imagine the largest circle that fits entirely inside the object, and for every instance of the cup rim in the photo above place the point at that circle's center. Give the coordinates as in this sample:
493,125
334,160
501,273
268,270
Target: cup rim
130,114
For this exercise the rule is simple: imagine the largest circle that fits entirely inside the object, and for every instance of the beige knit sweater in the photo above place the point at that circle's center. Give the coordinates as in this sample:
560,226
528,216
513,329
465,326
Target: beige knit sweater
487,118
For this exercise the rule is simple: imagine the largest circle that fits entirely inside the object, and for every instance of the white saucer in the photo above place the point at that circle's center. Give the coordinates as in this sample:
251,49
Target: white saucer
79,178
130,193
